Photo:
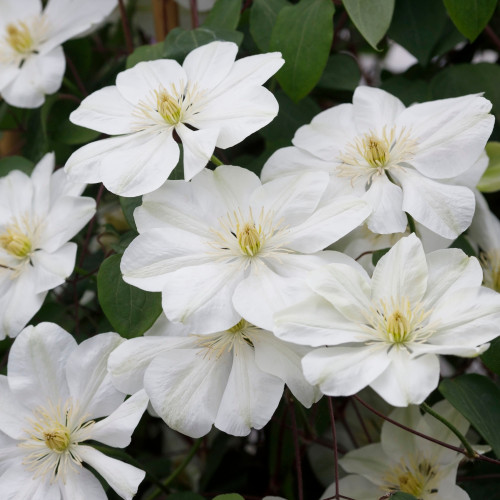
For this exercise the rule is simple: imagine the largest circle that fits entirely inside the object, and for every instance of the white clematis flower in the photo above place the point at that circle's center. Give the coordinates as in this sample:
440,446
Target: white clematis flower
405,462
38,215
387,331
244,248
232,379
211,100
32,60
53,401
398,159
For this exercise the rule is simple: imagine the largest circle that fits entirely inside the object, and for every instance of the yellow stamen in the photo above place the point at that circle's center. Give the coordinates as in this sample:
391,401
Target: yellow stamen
15,242
169,107
57,439
249,238
375,150
19,37
416,477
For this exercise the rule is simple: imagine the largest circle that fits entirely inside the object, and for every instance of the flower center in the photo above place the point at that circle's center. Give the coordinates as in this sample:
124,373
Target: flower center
58,438
399,323
249,238
490,262
169,107
375,150
415,477
19,38
15,242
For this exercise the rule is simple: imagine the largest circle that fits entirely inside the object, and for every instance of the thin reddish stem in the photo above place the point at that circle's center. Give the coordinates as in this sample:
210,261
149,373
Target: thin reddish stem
335,450
126,27
195,21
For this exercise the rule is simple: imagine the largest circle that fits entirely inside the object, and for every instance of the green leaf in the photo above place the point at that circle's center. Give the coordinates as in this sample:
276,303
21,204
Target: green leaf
128,206
10,163
180,42
263,16
371,17
491,358
463,244
185,495
418,26
69,133
145,53
303,33
341,73
409,90
463,79
130,311
224,15
378,254
229,496
477,398
490,181
402,496
470,16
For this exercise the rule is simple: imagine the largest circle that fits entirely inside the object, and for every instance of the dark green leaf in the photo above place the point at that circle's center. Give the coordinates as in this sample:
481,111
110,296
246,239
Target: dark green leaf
418,26
491,358
409,90
128,206
464,79
224,15
378,254
490,181
69,133
180,42
303,33
146,53
10,163
185,495
463,244
477,398
130,310
229,496
263,16
470,16
371,17
341,73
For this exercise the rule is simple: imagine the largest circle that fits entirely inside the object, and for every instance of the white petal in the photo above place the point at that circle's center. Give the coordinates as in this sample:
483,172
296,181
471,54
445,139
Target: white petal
386,200
406,380
352,486
88,379
122,477
19,484
82,485
251,395
106,111
41,178
139,83
343,371
13,413
206,305
446,210
451,134
316,322
370,461
51,269
198,146
116,429
128,362
185,387
485,227
328,224
209,64
37,363
401,273
283,360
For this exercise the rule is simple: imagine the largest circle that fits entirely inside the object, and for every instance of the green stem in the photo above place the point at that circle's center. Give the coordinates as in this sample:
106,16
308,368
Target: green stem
177,471
216,161
411,223
470,451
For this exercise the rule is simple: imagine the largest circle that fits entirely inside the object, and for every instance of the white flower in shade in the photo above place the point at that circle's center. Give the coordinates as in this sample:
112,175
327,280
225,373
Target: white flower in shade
244,248
38,215
387,332
54,399
232,379
398,159
211,100
32,60
405,462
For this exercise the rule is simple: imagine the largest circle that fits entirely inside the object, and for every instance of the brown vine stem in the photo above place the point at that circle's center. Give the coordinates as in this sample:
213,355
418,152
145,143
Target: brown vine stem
126,27
424,436
195,21
335,450
298,460
76,76
361,421
492,36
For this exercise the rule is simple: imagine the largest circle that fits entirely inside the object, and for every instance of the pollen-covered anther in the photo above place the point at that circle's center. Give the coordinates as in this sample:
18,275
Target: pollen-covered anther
398,326
15,242
19,37
168,106
57,439
375,150
415,476
249,238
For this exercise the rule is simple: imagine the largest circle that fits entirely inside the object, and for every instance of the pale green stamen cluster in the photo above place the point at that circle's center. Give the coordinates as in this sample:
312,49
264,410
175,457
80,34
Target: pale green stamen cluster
16,242
19,38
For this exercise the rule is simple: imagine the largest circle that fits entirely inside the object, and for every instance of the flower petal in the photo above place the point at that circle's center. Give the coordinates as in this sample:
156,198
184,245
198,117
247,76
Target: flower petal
51,269
13,414
82,485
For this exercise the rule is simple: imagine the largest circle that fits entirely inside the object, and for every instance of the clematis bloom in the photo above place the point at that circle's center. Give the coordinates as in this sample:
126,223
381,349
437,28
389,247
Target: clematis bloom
398,159
32,60
54,399
211,100
387,331
38,215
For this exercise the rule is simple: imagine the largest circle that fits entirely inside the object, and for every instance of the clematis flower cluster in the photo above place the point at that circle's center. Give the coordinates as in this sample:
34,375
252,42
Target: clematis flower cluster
255,294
